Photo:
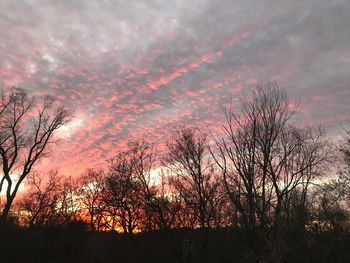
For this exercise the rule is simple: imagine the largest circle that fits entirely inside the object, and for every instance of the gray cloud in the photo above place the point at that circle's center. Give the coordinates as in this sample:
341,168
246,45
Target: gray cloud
129,67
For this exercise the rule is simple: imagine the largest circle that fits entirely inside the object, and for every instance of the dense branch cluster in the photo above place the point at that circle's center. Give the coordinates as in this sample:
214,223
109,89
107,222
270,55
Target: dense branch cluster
262,171
26,129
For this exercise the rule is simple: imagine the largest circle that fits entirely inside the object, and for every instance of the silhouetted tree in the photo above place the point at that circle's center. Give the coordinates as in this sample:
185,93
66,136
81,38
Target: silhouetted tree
332,206
69,206
189,161
334,195
264,159
165,204
344,170
90,191
123,192
38,205
161,204
26,128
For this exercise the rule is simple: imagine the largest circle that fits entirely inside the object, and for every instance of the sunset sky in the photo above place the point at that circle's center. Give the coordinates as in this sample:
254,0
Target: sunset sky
128,68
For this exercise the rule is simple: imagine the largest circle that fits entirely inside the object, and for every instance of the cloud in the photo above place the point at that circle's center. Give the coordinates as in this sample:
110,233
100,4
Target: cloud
143,67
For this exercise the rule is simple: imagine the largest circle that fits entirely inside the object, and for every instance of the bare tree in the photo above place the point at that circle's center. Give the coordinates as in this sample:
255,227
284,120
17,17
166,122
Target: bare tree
334,195
26,129
38,205
141,156
123,192
264,159
344,171
91,188
189,161
162,204
69,206
332,206
305,156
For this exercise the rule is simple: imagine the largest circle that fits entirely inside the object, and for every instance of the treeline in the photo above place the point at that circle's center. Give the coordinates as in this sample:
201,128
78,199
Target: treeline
262,173
134,194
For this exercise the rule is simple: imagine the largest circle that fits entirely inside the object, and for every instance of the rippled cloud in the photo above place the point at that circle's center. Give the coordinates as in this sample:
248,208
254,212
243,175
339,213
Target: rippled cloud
131,68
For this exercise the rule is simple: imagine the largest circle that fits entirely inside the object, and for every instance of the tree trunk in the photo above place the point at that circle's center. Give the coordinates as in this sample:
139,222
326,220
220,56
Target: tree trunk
5,212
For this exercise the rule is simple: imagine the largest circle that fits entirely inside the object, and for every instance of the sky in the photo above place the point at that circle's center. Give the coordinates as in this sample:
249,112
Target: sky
131,68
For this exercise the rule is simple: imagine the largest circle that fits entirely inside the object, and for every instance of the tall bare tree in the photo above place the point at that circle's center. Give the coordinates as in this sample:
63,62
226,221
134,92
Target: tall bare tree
26,129
91,188
123,192
334,195
160,205
189,161
69,207
264,159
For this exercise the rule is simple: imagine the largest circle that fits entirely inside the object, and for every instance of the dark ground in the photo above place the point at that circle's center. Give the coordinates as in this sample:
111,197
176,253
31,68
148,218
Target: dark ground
74,244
